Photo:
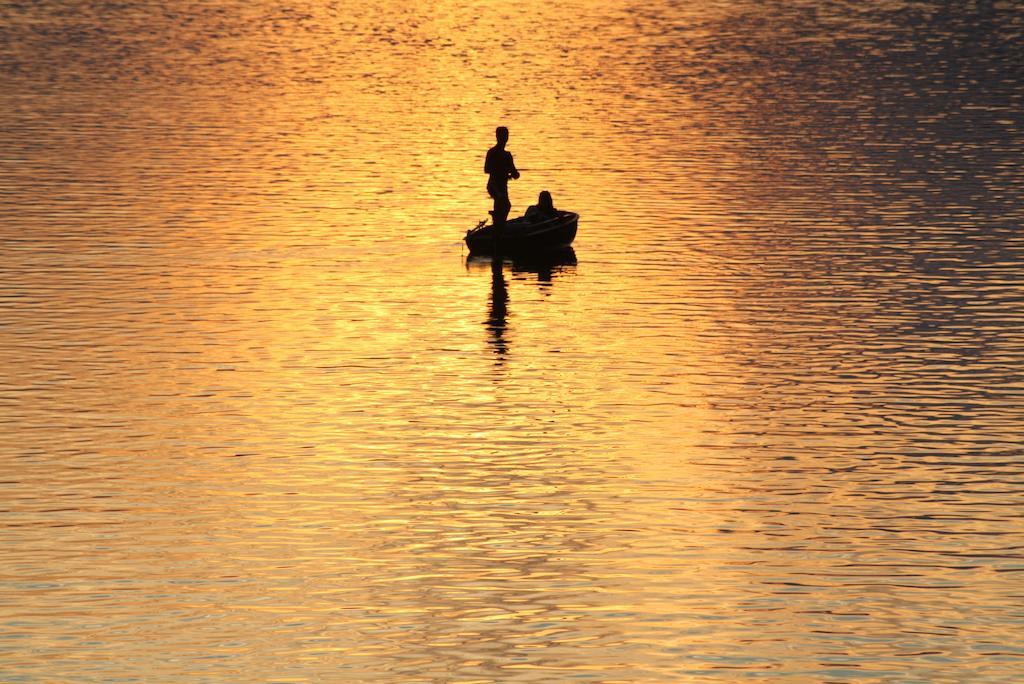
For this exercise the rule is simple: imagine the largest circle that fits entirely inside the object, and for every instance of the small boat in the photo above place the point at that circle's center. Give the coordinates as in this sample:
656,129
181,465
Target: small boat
522,235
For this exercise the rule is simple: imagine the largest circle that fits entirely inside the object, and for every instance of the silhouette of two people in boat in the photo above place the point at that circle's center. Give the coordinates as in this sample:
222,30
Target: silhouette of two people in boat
500,167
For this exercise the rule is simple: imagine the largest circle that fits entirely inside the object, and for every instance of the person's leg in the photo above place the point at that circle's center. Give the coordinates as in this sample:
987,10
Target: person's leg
501,208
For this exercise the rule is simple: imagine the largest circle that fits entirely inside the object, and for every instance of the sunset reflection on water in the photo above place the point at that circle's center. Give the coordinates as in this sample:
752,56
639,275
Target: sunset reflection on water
265,419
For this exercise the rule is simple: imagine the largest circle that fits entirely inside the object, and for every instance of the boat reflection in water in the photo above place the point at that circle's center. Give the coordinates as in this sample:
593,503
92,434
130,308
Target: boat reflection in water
546,266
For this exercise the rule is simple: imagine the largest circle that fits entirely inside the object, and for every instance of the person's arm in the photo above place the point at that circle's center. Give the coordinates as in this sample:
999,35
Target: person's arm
487,163
513,172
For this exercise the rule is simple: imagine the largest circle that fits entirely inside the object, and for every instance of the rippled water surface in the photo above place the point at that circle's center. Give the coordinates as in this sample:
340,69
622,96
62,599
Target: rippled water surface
261,419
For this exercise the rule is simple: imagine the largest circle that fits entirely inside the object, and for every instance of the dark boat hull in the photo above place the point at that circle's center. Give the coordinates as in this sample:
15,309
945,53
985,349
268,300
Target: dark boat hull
520,236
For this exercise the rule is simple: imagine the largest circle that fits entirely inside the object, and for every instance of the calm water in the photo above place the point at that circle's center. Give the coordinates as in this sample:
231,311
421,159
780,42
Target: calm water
262,420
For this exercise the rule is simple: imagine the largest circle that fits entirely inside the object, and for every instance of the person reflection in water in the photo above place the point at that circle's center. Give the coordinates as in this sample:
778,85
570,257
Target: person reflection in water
499,167
498,312
543,210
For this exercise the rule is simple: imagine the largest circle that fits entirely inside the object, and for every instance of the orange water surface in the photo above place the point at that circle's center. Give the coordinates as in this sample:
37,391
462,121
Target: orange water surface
263,419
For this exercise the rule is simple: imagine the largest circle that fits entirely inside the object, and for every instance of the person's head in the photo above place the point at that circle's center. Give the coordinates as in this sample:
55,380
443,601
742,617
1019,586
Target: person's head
544,200
501,133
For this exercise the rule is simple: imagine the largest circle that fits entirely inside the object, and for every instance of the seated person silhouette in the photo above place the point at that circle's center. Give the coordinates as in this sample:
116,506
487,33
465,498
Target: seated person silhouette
499,167
543,210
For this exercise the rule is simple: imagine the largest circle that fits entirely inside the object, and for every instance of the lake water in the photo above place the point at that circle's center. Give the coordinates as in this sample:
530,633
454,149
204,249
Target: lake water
261,419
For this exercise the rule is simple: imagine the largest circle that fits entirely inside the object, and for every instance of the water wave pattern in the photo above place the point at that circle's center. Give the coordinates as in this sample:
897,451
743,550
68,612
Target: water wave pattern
263,419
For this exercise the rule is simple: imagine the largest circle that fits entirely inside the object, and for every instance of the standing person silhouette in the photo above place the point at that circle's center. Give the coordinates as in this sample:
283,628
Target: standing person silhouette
499,167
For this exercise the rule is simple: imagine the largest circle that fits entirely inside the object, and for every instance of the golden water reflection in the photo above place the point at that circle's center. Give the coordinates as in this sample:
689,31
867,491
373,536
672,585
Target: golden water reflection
264,419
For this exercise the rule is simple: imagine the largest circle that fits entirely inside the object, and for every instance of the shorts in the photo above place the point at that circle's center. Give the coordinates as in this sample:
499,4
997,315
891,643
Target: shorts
498,192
